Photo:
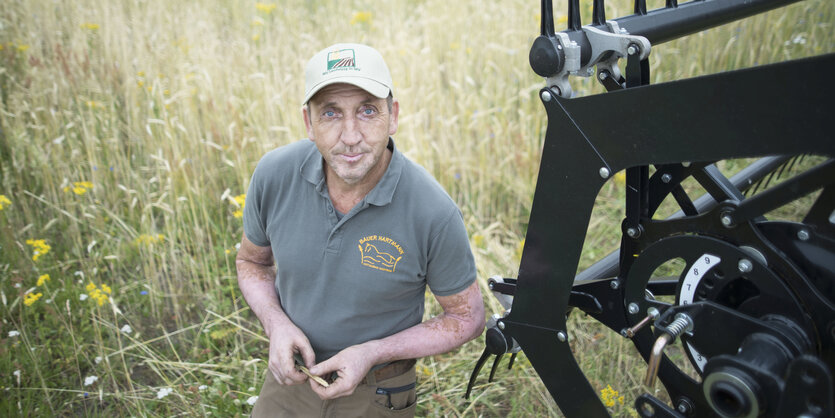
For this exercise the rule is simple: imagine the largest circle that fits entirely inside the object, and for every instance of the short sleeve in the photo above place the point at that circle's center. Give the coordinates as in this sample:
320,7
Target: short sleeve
254,221
451,266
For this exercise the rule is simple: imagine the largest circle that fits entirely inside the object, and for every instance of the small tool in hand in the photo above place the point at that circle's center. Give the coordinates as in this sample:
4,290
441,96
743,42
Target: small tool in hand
315,378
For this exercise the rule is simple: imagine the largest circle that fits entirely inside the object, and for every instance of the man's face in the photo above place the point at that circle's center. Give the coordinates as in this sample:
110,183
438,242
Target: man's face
350,127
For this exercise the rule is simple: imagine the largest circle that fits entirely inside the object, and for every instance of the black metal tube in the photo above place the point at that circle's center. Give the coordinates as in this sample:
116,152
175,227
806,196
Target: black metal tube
672,22
666,24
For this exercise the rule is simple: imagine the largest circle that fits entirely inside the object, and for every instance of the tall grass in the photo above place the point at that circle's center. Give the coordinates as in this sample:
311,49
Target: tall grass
163,108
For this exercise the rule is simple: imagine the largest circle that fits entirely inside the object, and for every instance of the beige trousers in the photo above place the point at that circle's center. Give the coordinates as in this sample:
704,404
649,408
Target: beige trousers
393,397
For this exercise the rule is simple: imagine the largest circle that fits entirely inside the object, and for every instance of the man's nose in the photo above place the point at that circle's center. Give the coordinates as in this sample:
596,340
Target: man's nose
351,134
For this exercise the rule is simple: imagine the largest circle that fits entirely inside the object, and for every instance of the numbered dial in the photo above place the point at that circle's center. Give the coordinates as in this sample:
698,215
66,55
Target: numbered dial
698,270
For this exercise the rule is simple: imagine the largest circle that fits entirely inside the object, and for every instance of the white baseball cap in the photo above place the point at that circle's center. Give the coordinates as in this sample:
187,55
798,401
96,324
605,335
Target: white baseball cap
355,64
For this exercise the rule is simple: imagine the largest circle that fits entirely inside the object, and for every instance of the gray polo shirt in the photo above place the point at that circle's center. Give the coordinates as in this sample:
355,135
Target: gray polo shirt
363,276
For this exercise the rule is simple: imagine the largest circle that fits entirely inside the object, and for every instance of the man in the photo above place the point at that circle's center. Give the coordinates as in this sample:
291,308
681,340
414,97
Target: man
342,235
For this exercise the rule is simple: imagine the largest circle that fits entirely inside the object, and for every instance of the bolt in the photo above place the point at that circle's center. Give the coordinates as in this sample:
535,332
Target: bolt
727,220
633,308
614,284
633,232
590,72
632,50
546,96
561,336
684,406
603,75
490,285
685,164
500,324
745,265
604,172
803,235
666,178
653,312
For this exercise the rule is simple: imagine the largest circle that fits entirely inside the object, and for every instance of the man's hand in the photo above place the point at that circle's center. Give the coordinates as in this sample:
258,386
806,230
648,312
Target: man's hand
350,364
286,340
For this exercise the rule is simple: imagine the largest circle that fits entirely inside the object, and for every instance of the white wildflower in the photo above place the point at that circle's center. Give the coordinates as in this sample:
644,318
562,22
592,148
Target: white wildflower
16,373
17,285
202,387
89,380
252,400
98,359
14,333
126,329
164,392
83,297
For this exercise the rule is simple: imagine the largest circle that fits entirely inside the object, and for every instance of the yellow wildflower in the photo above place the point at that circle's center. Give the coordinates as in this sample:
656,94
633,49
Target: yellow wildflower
265,8
478,240
4,201
31,298
100,295
620,178
609,396
149,239
39,246
240,201
520,248
256,37
562,20
22,47
80,187
361,17
43,279
90,26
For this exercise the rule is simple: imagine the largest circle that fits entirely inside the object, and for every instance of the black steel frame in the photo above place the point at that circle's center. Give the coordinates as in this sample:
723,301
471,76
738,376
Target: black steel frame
779,109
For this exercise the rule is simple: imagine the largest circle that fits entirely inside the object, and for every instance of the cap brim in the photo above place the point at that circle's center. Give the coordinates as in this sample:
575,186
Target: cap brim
374,87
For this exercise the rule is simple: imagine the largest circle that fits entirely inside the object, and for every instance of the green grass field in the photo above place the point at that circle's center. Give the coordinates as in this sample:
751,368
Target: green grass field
129,130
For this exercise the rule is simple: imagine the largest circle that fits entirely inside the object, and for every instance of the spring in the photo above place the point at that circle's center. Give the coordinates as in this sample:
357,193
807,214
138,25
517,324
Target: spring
681,324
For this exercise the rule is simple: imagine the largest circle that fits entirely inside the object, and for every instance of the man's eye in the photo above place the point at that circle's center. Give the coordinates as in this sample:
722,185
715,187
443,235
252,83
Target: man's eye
329,114
368,111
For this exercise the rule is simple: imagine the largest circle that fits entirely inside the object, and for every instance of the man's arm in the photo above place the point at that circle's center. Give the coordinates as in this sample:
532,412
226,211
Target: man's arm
256,278
461,321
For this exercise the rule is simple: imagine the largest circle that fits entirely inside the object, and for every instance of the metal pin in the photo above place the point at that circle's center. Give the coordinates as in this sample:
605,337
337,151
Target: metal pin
630,332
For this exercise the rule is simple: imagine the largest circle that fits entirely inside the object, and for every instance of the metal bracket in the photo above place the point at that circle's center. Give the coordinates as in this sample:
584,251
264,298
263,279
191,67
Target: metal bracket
606,48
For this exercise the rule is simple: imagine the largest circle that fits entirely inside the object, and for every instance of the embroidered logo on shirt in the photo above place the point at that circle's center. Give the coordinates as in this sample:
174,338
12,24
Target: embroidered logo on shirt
379,252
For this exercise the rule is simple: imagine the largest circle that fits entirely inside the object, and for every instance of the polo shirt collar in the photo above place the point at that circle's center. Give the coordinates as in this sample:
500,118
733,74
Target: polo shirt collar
312,170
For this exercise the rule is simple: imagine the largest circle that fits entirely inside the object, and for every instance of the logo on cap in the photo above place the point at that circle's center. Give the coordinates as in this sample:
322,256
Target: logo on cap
344,58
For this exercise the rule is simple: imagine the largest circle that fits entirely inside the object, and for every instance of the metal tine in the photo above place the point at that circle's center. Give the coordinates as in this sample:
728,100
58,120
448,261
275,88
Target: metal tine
574,21
547,23
672,4
599,13
640,7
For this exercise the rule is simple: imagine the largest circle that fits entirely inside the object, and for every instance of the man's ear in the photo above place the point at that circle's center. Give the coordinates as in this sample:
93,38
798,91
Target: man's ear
393,118
307,122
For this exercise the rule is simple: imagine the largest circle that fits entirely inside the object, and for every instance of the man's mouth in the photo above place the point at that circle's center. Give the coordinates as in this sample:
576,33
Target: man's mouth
351,158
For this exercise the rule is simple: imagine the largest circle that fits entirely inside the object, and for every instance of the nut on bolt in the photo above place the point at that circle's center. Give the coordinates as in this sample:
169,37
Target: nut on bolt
604,172
745,266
